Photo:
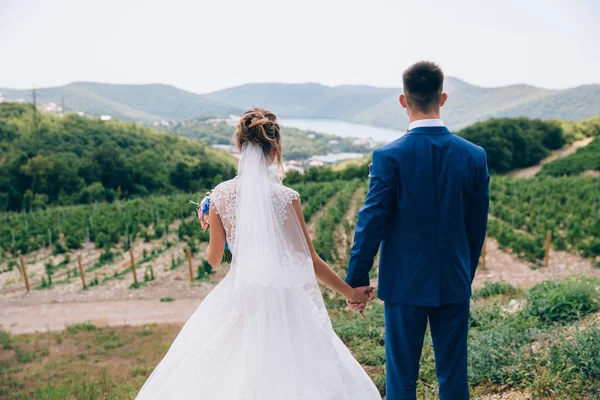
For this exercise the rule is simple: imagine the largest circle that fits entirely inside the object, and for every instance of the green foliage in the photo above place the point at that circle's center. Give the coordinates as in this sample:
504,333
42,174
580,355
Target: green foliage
500,354
564,301
149,273
329,174
74,159
204,270
325,242
24,356
495,288
316,195
584,159
526,246
588,127
137,285
106,223
513,143
166,299
524,210
49,268
573,365
6,340
81,327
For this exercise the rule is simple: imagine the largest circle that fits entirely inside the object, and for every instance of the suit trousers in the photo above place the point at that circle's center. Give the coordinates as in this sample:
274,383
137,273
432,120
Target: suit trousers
405,327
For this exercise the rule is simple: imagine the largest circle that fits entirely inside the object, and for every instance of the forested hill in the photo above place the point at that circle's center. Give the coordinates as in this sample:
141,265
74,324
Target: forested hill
141,103
50,160
297,144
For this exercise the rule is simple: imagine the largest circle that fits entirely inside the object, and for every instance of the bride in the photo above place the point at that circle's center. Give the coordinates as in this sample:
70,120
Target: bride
263,333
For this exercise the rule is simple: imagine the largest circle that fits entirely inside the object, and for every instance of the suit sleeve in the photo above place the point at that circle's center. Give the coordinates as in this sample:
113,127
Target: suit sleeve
371,225
477,214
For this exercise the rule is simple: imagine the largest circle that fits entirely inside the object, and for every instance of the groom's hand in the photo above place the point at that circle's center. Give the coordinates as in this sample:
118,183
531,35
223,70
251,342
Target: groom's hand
359,306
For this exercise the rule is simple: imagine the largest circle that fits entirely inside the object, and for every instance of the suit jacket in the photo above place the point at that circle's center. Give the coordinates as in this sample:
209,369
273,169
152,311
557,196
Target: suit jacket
426,210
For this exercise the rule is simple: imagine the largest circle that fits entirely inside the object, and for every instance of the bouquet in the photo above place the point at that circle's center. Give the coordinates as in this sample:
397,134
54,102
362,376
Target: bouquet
203,209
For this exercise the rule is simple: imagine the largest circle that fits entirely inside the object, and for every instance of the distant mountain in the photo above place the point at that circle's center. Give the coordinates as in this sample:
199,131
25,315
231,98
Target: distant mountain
379,106
368,105
143,103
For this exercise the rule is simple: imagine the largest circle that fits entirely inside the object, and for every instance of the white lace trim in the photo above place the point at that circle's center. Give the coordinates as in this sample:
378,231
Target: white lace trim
224,202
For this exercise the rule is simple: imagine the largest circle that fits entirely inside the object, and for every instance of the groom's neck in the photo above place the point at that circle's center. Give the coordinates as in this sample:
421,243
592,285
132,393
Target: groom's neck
416,116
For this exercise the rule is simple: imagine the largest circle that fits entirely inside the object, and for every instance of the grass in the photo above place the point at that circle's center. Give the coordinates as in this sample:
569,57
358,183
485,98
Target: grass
521,350
82,362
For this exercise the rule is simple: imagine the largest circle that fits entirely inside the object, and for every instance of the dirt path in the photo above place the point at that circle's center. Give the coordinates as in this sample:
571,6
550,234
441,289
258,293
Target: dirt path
57,316
28,313
530,172
501,265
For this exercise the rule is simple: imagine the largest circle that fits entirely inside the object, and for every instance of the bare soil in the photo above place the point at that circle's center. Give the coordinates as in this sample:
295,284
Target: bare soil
501,265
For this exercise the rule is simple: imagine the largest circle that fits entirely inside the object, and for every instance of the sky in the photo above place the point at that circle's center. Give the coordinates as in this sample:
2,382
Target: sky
204,46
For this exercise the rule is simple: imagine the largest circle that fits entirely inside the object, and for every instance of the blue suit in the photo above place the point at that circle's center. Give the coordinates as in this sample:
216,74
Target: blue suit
426,211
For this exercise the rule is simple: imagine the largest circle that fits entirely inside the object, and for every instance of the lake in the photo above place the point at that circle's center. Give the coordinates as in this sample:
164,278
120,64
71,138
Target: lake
342,128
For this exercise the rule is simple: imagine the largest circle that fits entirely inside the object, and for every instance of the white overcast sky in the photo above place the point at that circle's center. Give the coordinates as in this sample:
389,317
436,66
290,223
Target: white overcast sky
209,45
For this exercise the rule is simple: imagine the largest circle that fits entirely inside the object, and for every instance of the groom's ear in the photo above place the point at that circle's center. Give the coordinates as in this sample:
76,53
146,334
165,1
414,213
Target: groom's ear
403,101
443,98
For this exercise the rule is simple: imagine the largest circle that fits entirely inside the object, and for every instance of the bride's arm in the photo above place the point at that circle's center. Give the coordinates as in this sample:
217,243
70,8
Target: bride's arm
216,243
325,274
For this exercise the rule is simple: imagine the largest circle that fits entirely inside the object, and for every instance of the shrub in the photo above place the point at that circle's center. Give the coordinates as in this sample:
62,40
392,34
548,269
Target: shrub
577,358
73,242
499,355
570,368
24,356
6,340
49,272
495,288
59,249
514,142
106,257
563,301
137,285
149,273
82,327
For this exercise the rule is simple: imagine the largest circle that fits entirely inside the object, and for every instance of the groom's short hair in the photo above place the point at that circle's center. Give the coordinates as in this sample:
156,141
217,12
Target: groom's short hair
423,85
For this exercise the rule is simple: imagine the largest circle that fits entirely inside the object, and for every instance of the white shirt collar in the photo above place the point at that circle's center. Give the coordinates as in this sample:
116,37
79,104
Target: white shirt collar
425,123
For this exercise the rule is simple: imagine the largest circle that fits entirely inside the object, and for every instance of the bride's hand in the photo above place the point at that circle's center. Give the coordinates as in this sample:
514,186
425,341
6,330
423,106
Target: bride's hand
361,295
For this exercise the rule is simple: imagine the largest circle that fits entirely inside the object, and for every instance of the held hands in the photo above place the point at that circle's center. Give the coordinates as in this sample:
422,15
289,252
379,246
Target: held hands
359,297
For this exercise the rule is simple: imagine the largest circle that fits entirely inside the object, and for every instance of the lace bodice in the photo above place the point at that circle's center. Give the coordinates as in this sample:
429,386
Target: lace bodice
224,202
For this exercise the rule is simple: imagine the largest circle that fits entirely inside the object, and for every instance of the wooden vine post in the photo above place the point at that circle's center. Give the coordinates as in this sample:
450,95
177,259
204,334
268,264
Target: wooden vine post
135,281
24,273
484,253
547,247
188,253
81,270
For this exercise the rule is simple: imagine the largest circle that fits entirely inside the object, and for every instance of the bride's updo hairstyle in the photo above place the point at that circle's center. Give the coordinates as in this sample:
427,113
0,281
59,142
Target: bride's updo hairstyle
259,126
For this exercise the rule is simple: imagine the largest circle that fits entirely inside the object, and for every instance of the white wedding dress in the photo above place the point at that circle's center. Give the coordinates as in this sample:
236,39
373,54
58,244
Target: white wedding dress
263,333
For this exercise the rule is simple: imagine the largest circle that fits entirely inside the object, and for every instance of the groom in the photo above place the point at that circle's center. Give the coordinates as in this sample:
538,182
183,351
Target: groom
427,209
